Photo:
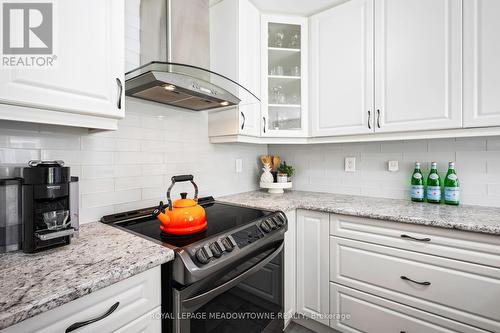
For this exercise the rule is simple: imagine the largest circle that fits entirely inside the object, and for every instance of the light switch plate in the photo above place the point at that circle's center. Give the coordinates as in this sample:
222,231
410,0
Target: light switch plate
239,165
393,166
350,164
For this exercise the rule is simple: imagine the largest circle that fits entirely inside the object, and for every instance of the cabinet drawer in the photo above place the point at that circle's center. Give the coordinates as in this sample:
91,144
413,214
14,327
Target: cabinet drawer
461,245
136,296
458,290
149,322
371,314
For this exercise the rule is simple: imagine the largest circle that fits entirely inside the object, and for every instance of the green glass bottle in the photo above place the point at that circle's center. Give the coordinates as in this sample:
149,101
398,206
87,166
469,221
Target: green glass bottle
451,186
417,184
433,185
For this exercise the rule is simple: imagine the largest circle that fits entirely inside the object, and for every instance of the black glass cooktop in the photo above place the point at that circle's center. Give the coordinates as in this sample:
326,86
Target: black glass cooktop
220,218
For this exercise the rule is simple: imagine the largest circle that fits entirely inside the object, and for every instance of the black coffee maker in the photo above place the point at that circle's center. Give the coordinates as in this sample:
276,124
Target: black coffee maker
50,205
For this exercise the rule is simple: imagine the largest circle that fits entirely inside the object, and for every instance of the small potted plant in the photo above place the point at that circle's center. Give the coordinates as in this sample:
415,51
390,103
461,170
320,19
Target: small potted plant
285,170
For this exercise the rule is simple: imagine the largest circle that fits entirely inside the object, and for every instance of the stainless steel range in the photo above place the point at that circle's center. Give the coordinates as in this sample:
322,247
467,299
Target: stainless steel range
229,278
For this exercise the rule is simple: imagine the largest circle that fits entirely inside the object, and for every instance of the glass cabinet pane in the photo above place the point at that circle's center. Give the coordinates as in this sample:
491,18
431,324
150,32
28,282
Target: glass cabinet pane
284,76
284,118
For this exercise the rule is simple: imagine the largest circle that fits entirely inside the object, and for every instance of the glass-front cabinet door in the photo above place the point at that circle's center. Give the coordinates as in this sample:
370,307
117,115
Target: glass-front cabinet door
284,76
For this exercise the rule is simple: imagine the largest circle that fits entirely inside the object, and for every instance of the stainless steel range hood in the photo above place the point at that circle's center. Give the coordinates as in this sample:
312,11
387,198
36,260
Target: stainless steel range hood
175,55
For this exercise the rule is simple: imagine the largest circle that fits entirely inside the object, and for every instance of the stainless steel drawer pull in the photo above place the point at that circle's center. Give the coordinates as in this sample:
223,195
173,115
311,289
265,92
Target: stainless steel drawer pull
79,324
426,239
425,283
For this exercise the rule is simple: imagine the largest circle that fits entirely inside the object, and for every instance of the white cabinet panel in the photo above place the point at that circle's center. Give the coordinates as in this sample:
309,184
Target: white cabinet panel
454,289
85,78
341,65
418,64
312,265
148,323
481,63
135,295
235,53
368,313
290,281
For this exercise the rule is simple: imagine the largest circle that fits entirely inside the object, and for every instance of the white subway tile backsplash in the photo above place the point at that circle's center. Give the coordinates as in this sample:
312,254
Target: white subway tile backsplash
18,156
477,165
110,198
127,169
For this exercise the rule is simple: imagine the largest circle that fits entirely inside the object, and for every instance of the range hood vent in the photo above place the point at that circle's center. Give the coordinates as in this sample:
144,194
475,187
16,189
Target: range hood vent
183,84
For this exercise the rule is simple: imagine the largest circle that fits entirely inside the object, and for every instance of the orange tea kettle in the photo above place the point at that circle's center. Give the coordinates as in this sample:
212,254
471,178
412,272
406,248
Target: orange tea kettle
183,216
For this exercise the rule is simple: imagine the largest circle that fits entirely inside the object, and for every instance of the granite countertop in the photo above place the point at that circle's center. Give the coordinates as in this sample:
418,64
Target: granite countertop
464,217
101,256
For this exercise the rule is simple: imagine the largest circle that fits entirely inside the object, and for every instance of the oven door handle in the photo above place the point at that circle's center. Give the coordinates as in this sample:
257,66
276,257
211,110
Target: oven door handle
205,297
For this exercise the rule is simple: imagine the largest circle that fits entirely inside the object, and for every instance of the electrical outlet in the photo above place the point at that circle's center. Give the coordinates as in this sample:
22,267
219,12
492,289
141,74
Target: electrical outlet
239,165
393,166
350,164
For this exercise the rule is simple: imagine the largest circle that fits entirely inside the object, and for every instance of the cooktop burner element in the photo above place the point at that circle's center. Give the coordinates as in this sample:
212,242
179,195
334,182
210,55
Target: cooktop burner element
233,233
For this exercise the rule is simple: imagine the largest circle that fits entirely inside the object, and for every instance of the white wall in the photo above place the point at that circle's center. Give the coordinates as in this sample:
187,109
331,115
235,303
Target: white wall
321,167
131,168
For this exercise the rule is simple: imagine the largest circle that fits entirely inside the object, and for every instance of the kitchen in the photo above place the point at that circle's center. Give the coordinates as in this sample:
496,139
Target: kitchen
304,120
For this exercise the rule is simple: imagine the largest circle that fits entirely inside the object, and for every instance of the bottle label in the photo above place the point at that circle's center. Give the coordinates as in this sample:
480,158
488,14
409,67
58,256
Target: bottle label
417,191
452,177
417,176
452,194
434,192
434,176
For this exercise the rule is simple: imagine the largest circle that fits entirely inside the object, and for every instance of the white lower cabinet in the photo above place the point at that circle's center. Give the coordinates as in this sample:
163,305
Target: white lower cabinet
312,265
378,276
135,301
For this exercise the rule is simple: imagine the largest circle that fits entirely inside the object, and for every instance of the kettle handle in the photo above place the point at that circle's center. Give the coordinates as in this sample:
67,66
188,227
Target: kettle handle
178,179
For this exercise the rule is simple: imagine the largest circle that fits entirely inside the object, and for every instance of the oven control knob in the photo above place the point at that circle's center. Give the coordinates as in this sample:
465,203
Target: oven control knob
216,249
203,256
265,226
278,221
228,244
273,224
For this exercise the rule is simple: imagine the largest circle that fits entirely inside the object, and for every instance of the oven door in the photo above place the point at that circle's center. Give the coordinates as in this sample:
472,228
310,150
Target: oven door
246,298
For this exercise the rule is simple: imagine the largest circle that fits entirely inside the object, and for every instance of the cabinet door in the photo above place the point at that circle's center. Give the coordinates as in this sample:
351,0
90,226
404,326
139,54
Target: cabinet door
249,64
284,47
481,63
418,64
341,65
85,77
312,265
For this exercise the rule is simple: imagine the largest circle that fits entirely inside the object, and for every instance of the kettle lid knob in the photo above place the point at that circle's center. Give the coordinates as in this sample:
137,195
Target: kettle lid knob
184,195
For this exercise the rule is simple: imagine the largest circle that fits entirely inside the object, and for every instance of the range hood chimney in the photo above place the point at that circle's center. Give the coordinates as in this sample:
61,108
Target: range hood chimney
175,57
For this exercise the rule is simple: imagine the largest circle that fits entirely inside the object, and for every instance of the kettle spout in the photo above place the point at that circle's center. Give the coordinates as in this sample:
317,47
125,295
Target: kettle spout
160,214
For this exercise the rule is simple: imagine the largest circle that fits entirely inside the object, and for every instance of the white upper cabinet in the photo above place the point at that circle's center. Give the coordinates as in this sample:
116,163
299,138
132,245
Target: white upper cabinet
85,85
284,47
481,63
235,53
341,67
418,65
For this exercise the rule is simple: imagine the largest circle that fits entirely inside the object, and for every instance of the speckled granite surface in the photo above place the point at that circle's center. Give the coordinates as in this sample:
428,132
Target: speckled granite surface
102,255
464,217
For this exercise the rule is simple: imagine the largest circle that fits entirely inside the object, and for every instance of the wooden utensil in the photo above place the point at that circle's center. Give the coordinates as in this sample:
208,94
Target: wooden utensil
276,162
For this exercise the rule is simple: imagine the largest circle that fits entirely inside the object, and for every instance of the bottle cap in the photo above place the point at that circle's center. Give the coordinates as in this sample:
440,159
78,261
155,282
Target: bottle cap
417,164
451,164
434,164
